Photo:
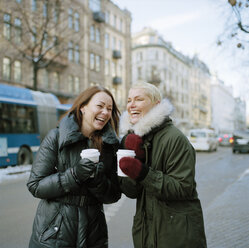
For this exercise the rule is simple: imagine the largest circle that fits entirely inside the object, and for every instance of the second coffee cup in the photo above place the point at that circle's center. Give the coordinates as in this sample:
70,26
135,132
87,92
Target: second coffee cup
124,153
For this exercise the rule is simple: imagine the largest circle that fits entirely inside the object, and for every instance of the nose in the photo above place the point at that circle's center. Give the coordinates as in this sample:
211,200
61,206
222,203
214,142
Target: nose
132,104
105,111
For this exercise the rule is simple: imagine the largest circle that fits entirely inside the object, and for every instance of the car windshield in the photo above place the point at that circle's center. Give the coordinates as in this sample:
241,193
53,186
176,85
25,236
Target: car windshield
198,134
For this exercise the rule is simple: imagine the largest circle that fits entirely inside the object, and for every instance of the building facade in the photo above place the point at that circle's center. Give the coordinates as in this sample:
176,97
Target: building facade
223,106
185,81
239,114
68,45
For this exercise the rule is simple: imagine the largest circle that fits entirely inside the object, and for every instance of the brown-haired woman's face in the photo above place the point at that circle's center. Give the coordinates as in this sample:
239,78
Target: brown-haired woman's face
97,112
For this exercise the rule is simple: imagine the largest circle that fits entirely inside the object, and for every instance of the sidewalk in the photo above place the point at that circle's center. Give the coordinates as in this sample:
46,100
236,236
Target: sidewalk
227,218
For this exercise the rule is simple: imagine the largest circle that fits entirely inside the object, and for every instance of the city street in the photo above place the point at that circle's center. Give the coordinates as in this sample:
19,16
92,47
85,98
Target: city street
222,183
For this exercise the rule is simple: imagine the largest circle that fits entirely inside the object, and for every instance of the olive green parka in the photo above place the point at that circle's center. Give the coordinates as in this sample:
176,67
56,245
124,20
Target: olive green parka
168,211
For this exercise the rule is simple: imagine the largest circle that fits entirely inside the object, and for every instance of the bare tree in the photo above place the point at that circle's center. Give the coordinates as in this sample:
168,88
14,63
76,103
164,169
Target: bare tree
42,34
237,29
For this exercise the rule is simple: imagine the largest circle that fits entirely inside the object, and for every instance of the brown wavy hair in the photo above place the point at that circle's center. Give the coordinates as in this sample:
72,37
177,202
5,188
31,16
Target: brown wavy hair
82,100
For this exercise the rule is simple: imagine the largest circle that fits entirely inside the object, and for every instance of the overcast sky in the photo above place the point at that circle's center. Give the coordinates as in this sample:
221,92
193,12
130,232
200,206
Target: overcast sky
192,26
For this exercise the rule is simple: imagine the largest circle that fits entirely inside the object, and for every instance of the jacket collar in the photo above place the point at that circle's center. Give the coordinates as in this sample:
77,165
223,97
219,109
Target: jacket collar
69,132
151,120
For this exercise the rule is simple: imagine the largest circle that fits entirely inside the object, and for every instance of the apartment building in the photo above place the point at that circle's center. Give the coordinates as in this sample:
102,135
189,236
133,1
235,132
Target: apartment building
200,80
66,45
181,79
223,106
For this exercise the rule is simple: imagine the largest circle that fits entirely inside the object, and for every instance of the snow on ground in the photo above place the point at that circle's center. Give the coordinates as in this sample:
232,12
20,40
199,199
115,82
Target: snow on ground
14,172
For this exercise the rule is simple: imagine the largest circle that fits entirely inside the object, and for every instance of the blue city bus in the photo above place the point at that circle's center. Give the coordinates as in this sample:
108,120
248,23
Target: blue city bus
25,118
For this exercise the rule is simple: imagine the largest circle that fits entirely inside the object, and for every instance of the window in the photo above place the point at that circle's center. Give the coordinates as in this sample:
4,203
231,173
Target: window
76,84
18,118
114,21
97,68
6,27
34,5
56,43
45,39
156,55
45,79
92,62
77,54
56,13
139,56
17,71
113,43
92,33
107,67
114,69
18,30
70,18
55,83
97,35
95,5
70,83
76,22
139,73
107,17
120,25
107,41
120,70
6,68
45,9
70,51
33,35
120,45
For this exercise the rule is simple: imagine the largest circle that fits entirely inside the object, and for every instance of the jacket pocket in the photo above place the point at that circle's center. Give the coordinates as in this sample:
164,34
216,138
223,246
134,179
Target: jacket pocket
178,228
51,231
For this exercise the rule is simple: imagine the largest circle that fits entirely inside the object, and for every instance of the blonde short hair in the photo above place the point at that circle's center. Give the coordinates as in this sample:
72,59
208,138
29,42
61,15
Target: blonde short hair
150,90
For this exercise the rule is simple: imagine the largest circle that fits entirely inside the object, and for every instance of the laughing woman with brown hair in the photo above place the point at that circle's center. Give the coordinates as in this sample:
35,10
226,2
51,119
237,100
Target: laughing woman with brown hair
72,190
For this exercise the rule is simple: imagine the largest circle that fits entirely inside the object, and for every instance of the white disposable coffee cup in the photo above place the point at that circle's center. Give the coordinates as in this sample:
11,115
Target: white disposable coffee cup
91,154
124,153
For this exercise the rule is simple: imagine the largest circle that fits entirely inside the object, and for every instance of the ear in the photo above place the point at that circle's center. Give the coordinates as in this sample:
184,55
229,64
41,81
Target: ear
82,109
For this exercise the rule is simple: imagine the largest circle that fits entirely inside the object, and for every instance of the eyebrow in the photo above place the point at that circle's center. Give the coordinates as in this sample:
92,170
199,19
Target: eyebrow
104,103
135,96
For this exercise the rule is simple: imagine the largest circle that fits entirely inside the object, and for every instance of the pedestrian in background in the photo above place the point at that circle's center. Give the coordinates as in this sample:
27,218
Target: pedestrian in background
161,176
70,213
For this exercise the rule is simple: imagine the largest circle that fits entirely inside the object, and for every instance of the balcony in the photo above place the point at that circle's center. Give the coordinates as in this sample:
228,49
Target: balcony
116,54
117,80
99,16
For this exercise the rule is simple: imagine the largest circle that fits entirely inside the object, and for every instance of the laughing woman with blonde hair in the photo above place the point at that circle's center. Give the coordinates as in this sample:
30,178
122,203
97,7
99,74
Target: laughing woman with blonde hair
161,176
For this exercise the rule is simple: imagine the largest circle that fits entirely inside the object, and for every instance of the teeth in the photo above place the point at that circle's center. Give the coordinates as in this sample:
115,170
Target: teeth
100,119
134,112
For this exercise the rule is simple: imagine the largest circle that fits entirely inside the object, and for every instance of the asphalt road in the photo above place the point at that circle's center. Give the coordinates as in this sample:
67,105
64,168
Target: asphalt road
222,182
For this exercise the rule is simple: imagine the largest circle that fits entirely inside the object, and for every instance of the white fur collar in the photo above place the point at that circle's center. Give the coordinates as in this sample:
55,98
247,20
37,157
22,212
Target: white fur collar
152,119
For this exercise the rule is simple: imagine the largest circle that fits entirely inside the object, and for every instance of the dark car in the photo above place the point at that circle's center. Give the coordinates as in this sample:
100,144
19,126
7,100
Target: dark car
241,141
225,139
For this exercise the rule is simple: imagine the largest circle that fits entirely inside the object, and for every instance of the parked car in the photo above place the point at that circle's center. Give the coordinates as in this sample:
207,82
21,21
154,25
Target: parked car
203,139
225,139
241,141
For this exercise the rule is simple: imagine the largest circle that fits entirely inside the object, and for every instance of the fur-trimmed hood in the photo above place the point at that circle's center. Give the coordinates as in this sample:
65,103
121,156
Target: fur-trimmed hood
152,119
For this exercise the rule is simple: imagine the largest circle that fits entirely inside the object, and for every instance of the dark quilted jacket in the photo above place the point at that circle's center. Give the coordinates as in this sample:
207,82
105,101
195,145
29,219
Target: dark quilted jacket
71,215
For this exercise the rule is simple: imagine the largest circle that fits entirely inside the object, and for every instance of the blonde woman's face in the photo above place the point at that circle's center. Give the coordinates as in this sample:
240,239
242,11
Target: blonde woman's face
138,104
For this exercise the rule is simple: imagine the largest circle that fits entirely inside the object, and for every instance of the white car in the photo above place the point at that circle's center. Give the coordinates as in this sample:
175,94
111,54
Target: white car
203,139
